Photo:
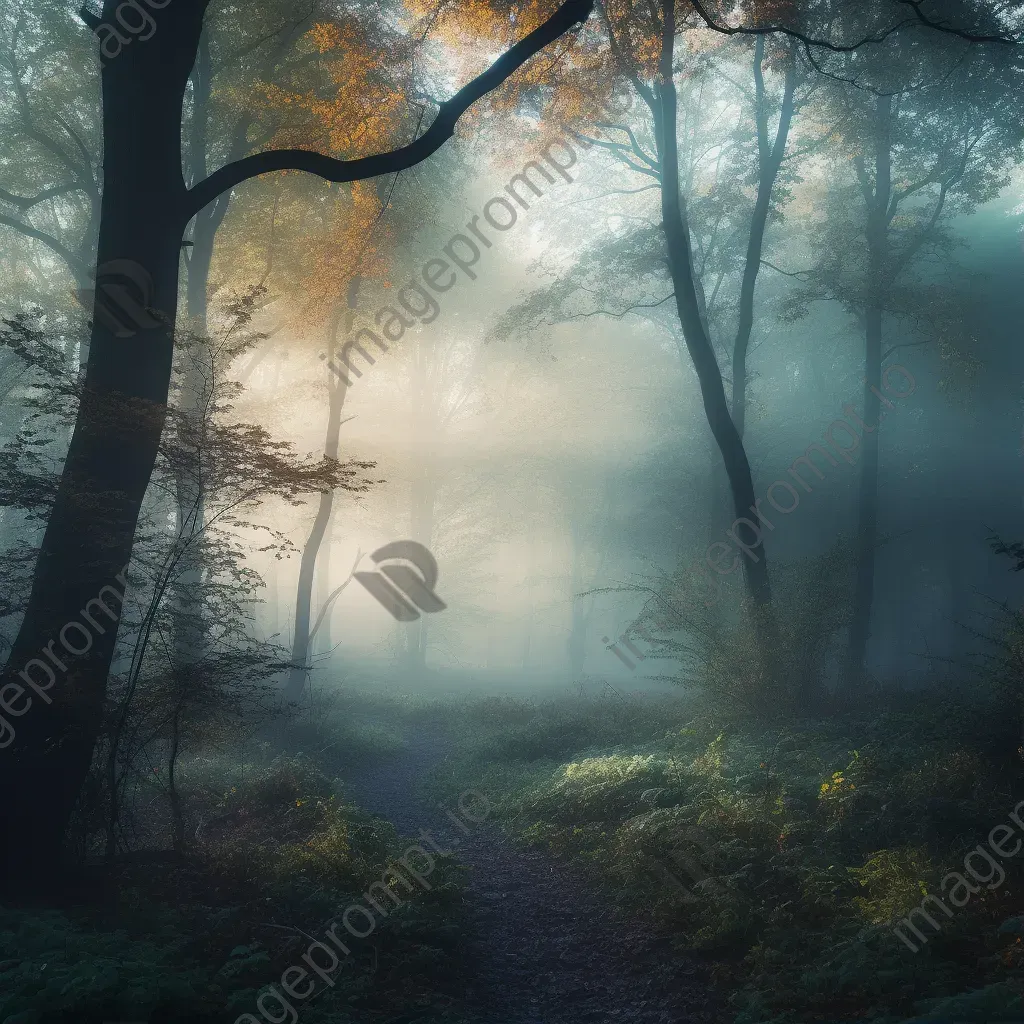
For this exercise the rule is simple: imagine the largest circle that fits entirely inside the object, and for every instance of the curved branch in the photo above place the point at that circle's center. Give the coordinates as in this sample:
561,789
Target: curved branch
788,273
621,313
614,192
78,267
570,13
943,26
620,150
919,20
333,596
27,202
637,148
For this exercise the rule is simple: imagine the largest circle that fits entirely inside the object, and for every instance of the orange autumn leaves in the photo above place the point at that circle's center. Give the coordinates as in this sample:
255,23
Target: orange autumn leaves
357,104
356,91
559,81
350,102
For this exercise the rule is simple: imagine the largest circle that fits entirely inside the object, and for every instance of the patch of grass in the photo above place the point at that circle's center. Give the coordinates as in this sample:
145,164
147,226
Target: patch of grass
341,728
783,852
282,855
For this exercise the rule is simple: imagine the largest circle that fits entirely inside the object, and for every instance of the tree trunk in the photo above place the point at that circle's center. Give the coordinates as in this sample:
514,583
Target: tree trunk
173,796
89,534
186,596
424,400
300,665
769,165
424,495
197,379
867,500
88,538
323,589
698,343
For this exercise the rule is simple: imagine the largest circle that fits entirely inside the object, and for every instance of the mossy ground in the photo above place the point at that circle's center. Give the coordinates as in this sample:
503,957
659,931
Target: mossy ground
780,852
806,840
280,855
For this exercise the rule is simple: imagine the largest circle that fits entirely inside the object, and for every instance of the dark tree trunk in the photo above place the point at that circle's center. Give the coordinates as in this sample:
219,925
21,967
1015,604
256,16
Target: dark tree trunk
88,539
698,343
769,164
867,501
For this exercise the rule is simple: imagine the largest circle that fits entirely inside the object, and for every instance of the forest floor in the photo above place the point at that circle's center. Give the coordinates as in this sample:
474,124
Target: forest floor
544,945
650,857
635,859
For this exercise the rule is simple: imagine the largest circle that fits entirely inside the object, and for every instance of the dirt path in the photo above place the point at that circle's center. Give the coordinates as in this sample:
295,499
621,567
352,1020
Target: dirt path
546,947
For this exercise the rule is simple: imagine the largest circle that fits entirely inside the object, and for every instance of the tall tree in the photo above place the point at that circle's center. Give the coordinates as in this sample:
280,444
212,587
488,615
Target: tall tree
145,209
925,133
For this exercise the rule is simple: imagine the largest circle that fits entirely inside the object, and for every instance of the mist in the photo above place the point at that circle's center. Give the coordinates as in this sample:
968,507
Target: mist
521,501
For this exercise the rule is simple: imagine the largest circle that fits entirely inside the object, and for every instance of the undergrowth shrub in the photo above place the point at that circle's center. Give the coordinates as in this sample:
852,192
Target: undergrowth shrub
717,649
282,854
784,852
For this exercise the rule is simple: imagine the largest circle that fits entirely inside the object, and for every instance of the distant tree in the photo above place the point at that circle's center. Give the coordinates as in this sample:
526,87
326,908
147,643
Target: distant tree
925,132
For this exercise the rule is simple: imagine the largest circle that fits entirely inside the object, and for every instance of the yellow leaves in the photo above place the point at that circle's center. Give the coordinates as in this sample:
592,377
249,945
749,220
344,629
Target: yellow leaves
479,21
326,36
836,786
352,106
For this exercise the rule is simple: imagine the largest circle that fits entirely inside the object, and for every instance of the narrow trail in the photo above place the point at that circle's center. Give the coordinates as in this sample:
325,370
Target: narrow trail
545,946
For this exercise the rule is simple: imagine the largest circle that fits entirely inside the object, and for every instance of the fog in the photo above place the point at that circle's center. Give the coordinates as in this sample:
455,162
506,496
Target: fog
592,426
544,472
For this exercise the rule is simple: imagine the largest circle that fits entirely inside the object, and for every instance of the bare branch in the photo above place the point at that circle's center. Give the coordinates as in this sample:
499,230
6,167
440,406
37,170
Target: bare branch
919,20
787,273
620,150
27,202
614,192
334,594
621,313
637,148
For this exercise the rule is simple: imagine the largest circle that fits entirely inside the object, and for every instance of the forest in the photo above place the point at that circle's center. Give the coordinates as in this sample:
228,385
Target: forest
453,569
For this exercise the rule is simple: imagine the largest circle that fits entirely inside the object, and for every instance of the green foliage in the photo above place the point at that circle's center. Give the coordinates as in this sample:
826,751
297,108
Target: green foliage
51,970
282,854
783,853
